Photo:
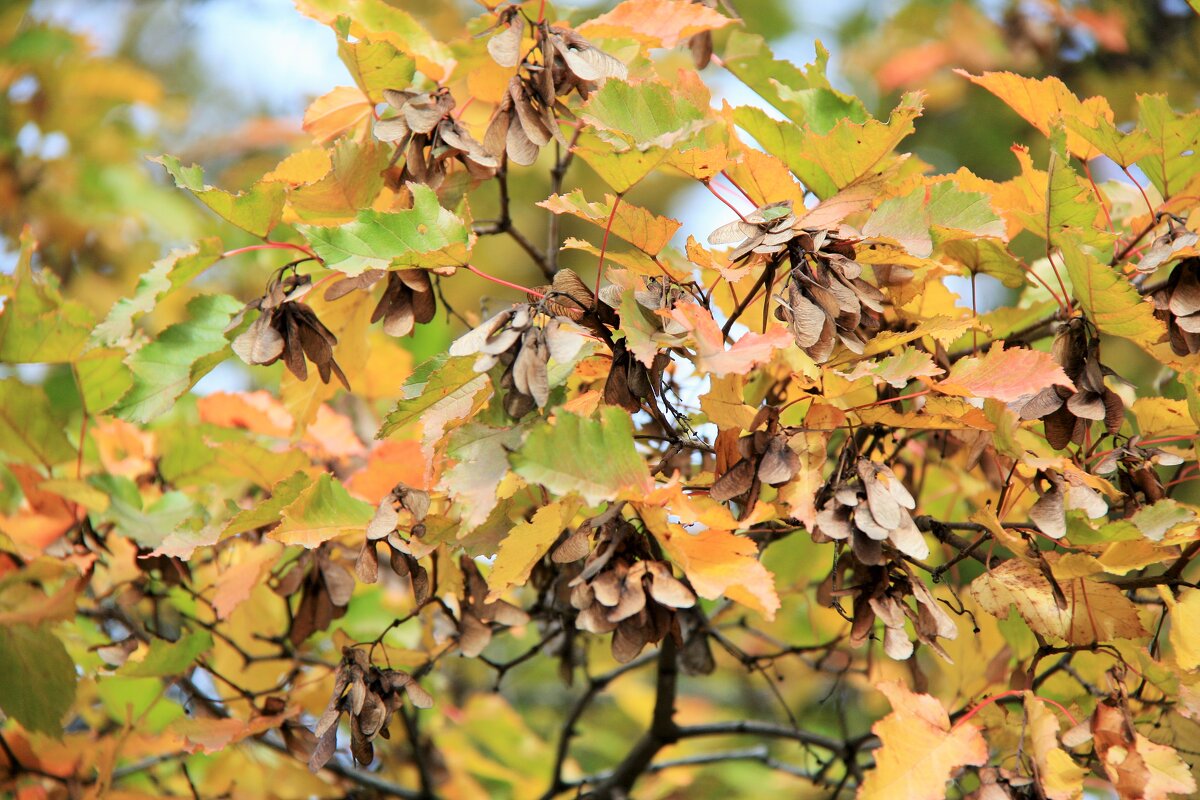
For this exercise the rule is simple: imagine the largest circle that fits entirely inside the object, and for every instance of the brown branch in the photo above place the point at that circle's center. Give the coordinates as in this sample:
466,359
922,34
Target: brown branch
663,730
595,686
505,225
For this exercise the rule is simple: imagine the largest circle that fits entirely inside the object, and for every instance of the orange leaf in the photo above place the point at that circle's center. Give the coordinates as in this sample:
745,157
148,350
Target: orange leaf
258,412
235,584
343,109
392,462
655,23
717,563
1045,103
331,436
920,751
1004,375
749,351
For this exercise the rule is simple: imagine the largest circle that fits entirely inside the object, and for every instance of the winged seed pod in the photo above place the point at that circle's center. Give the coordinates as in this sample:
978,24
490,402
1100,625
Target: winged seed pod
404,509
525,118
624,590
1177,303
1134,465
1066,411
287,328
512,338
1067,492
827,300
766,230
325,587
884,595
429,136
407,299
869,510
475,615
370,696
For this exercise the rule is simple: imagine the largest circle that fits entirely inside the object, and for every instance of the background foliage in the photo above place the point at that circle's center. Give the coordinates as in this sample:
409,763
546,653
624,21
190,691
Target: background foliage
889,492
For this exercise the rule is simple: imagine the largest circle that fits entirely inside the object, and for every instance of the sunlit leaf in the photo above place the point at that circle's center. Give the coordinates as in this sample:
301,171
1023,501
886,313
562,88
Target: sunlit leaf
321,511
256,210
921,751
182,354
592,458
425,236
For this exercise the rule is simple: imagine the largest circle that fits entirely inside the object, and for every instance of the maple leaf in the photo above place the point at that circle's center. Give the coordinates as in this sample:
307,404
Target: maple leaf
1094,611
644,230
920,752
1004,374
717,563
656,23
747,352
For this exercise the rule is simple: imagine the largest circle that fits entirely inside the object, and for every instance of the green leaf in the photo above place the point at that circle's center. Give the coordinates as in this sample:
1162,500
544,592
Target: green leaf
267,512
375,65
256,211
381,20
1071,208
986,257
439,381
37,678
183,353
595,459
30,431
804,96
423,237
320,512
645,115
37,324
828,162
103,377
167,275
169,658
153,524
1176,137
1109,299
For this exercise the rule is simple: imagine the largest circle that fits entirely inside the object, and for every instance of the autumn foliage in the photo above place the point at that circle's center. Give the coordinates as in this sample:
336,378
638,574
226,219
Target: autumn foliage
765,510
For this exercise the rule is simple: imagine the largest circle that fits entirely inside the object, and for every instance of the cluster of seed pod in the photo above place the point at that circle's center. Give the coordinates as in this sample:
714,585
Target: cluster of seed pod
428,137
370,696
287,329
560,62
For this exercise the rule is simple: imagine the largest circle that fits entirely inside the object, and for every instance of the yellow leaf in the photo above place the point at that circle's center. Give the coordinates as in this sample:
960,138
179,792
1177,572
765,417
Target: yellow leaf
920,751
302,167
717,563
525,545
725,405
1060,776
644,230
1185,626
1044,103
1095,611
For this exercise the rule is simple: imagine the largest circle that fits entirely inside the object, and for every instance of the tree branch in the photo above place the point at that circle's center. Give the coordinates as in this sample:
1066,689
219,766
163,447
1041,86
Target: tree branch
663,730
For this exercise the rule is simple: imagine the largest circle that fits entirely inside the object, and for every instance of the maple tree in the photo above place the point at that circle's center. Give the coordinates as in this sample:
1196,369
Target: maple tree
680,517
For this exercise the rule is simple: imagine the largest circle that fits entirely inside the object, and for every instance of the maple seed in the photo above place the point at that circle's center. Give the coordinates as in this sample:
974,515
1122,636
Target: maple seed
428,136
287,328
370,696
408,298
1068,412
1177,303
